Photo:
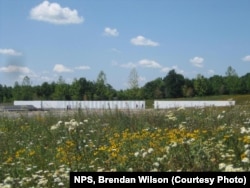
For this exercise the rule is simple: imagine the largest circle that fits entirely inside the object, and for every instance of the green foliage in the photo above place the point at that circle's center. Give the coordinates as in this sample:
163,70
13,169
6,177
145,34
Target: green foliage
43,147
173,85
201,85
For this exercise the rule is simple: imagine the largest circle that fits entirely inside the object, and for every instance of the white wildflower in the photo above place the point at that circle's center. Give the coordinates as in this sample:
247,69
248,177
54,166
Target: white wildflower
144,154
222,165
154,170
136,154
150,150
245,160
156,164
8,180
61,184
130,170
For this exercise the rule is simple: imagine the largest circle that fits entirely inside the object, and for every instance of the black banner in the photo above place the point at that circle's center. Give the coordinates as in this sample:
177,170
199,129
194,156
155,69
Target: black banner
166,179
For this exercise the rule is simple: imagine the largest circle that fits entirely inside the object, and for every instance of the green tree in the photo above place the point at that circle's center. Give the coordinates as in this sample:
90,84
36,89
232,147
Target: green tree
133,79
173,83
26,89
7,94
17,93
133,92
217,85
153,89
80,89
188,88
62,90
232,81
1,93
101,87
201,85
245,84
47,90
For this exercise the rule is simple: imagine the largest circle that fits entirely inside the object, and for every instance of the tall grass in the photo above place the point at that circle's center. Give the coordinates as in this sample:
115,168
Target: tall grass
40,150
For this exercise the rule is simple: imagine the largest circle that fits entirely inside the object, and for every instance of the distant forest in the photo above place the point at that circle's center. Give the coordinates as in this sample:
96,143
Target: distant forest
173,85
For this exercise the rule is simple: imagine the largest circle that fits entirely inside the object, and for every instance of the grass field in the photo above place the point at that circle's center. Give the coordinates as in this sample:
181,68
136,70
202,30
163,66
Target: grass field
40,150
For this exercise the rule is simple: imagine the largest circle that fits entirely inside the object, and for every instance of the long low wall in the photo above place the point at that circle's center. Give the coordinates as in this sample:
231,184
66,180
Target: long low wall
158,104
84,104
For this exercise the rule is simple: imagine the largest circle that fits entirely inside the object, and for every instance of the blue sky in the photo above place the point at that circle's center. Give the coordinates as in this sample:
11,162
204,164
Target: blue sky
80,38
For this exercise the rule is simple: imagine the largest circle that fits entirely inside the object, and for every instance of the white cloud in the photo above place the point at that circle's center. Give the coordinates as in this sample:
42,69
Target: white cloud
82,68
246,58
54,13
143,63
197,61
15,69
115,50
142,41
128,65
149,63
165,69
210,71
111,32
61,68
142,79
10,52
176,68
114,63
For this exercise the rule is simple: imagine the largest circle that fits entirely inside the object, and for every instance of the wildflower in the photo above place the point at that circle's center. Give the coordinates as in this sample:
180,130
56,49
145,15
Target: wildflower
67,124
39,171
156,164
247,152
61,184
173,144
53,127
181,108
245,160
35,176
244,130
230,168
8,180
136,154
150,150
247,146
222,165
6,186
220,116
71,128
181,127
160,159
130,170
59,122
57,179
144,154
42,181
154,170
99,169
167,149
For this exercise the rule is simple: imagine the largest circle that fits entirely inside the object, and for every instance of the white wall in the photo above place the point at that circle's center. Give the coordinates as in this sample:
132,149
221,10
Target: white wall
158,104
84,104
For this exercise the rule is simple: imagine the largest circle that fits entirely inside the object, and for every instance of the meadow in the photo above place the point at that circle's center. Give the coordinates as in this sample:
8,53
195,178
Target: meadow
40,150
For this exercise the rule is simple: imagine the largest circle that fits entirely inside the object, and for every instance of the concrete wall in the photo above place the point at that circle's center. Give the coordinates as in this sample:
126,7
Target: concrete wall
137,104
159,104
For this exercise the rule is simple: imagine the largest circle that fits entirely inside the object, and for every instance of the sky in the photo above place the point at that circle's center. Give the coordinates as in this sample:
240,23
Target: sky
74,39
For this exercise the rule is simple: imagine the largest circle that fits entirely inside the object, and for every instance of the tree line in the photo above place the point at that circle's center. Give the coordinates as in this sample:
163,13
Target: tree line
173,85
